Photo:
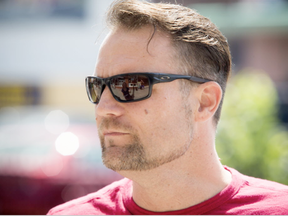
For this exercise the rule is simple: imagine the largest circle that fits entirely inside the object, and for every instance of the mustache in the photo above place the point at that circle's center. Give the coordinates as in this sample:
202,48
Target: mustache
115,124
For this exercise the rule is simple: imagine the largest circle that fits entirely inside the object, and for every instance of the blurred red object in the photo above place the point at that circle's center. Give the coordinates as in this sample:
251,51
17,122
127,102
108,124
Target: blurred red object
34,175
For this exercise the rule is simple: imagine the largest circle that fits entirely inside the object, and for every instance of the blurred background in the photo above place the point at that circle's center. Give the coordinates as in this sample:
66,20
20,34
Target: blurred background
49,148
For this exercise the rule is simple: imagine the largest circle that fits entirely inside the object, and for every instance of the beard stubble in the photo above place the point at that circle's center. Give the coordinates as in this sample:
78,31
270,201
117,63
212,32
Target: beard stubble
132,155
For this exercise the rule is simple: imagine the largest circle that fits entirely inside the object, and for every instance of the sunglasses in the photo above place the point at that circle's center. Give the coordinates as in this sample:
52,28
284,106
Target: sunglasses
131,87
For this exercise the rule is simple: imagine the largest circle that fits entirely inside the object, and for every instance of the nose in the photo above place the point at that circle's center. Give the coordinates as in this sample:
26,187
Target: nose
108,106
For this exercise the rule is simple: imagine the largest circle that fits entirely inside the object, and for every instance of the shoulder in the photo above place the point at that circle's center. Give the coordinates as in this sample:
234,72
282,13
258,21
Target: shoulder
264,187
259,196
108,200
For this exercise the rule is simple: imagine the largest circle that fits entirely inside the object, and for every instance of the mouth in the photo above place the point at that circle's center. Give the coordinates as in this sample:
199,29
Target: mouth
114,133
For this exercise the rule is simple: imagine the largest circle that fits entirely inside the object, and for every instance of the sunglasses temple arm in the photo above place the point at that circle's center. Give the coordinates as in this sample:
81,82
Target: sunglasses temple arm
172,77
199,80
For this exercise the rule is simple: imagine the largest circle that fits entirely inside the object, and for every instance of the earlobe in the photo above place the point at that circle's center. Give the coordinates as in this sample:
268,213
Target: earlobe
209,98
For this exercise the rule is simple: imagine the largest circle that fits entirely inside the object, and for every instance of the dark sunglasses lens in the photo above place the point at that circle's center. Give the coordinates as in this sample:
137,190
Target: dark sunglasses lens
94,89
130,87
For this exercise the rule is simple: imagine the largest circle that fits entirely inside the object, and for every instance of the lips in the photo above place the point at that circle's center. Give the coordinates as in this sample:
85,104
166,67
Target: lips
114,133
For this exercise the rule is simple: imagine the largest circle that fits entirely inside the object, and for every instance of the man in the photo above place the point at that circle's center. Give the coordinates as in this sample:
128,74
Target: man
163,140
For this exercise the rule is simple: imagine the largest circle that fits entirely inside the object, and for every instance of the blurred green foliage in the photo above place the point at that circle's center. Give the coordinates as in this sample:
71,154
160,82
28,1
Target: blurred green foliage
250,137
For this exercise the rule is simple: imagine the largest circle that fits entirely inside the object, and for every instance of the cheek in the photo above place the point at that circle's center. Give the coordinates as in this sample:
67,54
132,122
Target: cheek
160,121
162,115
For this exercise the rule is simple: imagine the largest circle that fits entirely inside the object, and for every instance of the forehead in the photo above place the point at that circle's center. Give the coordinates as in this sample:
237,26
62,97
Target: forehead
142,50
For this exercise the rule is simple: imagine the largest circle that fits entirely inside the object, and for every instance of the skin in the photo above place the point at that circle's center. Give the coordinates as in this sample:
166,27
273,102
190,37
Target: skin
176,131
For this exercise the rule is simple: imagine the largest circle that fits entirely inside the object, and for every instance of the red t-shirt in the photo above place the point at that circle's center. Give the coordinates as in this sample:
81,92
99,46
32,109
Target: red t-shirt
244,195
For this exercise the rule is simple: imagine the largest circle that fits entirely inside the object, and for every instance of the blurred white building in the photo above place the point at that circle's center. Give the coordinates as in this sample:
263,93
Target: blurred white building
47,49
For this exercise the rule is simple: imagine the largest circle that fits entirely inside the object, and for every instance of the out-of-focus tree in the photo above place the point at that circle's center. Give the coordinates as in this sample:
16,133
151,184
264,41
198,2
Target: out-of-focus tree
250,137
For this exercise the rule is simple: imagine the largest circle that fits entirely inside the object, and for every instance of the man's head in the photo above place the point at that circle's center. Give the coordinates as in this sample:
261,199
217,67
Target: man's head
149,133
200,48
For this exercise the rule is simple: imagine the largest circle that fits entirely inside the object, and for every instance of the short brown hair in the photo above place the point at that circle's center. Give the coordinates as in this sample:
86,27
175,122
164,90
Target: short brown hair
204,51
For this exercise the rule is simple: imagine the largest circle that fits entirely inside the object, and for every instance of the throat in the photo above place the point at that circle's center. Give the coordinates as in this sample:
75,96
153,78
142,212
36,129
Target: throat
170,195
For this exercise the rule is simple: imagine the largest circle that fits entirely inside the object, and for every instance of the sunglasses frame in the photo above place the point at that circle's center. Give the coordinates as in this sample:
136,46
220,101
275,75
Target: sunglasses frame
153,78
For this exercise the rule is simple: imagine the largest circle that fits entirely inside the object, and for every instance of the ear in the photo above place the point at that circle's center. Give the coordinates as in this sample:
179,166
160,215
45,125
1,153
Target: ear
209,96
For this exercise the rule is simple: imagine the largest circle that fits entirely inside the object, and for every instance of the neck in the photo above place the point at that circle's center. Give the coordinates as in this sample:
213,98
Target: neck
189,180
